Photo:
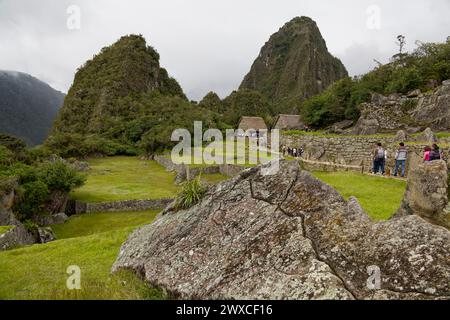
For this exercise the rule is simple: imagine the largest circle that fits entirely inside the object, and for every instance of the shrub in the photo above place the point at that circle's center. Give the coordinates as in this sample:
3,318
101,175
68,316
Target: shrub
430,61
59,176
32,198
6,156
37,154
31,226
191,194
409,104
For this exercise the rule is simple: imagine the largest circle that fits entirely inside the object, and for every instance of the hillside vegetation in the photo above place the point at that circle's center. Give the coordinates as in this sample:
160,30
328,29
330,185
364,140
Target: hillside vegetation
422,69
293,65
35,178
123,103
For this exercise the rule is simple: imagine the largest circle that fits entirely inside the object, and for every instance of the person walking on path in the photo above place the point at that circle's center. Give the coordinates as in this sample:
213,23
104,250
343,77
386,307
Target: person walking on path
400,160
379,159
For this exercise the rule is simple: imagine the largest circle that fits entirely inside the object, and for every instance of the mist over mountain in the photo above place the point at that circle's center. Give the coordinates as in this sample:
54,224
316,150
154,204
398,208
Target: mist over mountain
28,106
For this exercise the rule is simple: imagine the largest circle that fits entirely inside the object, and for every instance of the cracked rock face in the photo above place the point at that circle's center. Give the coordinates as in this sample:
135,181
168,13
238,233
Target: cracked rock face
288,236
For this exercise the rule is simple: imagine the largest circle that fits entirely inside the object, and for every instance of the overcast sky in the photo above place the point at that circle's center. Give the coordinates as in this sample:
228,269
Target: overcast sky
206,44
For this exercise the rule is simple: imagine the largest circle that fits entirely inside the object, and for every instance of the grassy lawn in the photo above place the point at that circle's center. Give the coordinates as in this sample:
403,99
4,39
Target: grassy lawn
380,197
214,178
228,154
94,223
126,178
323,134
39,271
4,229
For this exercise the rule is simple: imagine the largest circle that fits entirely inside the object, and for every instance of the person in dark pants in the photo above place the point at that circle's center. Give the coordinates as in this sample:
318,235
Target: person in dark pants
400,160
379,159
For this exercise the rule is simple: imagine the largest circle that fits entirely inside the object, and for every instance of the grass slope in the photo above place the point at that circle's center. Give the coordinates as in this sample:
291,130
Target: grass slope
126,178
240,153
214,178
94,223
380,197
4,229
39,271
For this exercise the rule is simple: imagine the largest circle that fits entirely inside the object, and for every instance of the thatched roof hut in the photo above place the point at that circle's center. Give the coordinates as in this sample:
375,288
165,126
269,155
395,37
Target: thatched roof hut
252,124
289,122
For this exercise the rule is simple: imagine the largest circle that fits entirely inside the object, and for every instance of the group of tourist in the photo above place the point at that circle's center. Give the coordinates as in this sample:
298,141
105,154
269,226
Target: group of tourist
292,152
401,155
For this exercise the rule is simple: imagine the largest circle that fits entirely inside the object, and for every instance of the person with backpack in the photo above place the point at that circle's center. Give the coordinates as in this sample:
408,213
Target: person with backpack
400,160
435,153
379,159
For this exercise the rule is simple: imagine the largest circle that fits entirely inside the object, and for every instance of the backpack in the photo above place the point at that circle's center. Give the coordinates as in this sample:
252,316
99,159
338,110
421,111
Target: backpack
435,155
380,153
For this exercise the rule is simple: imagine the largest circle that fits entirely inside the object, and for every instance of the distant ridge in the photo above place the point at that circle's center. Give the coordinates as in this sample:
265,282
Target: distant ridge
28,106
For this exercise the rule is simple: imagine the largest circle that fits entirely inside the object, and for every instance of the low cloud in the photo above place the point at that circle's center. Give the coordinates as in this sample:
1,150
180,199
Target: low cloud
207,45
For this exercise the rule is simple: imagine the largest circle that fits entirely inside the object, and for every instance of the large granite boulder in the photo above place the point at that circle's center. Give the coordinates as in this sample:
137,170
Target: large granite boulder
434,108
19,235
401,136
427,192
45,235
366,127
427,136
313,152
287,236
50,219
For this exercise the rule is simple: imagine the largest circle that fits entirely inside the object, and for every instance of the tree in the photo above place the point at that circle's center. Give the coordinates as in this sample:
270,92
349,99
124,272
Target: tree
401,42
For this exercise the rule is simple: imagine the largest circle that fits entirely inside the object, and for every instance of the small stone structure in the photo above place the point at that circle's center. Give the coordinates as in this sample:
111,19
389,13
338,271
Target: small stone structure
311,166
349,150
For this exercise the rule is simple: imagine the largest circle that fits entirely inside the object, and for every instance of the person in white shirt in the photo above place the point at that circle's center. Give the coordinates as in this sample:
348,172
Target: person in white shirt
400,160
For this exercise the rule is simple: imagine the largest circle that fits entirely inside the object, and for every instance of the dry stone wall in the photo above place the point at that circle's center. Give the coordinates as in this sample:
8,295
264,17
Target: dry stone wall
347,153
79,207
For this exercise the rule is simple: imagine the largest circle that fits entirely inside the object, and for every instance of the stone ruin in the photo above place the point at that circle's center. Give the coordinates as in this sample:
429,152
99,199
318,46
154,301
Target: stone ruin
288,236
409,112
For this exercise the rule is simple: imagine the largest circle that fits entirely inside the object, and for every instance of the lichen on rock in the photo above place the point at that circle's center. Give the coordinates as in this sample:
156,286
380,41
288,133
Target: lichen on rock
287,236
